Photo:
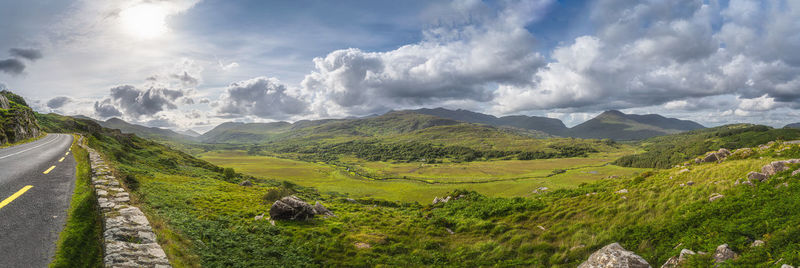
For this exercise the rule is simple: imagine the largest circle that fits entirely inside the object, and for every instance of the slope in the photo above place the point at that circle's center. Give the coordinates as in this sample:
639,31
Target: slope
17,120
619,126
544,124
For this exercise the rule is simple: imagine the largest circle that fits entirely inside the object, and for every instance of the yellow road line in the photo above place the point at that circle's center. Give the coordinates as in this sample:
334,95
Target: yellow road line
66,153
62,159
49,169
15,195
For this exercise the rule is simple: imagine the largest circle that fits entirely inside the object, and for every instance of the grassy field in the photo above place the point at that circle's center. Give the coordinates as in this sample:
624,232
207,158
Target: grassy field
436,181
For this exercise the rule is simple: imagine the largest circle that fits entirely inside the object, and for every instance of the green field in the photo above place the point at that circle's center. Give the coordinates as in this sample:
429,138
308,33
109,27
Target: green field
514,177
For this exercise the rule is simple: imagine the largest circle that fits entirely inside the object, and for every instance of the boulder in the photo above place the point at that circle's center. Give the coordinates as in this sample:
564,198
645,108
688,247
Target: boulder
724,253
711,157
774,167
757,243
723,152
246,183
714,197
291,208
756,176
319,209
437,200
677,261
614,256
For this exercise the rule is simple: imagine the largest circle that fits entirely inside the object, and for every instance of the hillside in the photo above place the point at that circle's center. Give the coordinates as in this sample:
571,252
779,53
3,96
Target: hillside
544,124
206,219
17,120
795,125
619,126
666,151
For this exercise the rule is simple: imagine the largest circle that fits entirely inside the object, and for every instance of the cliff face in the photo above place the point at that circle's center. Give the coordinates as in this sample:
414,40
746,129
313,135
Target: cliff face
17,120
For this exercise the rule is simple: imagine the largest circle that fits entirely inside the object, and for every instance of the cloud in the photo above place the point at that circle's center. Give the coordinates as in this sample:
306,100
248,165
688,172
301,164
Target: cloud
262,97
186,79
205,101
457,59
135,103
651,53
12,66
763,103
30,54
58,102
105,109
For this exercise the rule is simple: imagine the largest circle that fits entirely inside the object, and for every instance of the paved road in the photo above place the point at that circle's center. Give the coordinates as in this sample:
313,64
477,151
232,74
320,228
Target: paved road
32,217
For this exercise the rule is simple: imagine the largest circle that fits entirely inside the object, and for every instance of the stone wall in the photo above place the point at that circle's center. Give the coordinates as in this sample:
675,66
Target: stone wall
128,239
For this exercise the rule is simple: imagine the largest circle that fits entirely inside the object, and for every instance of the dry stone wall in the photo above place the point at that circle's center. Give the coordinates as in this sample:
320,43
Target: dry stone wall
128,239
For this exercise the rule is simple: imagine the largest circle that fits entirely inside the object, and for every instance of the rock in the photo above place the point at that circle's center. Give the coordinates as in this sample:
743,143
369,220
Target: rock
362,245
774,167
246,183
319,209
681,185
794,173
542,227
623,191
677,261
541,190
592,193
786,266
449,231
714,197
690,183
724,253
351,200
757,176
614,256
291,208
258,217
723,152
683,170
711,157
757,243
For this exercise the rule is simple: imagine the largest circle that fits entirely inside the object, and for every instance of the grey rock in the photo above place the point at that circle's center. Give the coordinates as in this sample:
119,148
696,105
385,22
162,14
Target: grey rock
614,256
711,157
319,209
757,176
690,183
794,173
291,208
723,152
786,266
623,191
724,253
677,261
714,197
757,243
246,183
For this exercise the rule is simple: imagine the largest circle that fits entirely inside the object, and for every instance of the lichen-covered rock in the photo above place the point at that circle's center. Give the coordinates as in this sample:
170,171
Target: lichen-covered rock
724,253
614,256
723,152
291,208
711,157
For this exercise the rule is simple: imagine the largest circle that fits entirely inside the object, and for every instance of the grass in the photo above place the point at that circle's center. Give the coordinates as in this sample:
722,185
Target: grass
80,243
328,179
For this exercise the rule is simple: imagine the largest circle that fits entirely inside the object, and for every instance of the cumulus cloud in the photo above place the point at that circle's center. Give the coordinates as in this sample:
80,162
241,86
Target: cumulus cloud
262,97
651,53
456,60
135,102
30,54
58,102
12,66
105,109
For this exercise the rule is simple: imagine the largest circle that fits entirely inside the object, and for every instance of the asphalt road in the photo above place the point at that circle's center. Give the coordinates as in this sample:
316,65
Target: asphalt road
32,217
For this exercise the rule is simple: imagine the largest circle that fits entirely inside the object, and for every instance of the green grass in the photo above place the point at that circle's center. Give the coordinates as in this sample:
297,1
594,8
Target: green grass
328,179
80,243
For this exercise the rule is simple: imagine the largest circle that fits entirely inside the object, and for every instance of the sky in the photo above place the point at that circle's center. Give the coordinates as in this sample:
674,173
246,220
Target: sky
192,64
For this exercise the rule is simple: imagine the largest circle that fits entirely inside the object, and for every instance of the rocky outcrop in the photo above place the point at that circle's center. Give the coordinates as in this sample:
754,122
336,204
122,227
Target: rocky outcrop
437,200
614,256
17,120
724,253
714,197
679,260
128,239
756,176
778,166
319,209
291,208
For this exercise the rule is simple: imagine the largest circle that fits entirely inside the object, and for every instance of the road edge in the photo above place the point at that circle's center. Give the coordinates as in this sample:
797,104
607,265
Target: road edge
80,242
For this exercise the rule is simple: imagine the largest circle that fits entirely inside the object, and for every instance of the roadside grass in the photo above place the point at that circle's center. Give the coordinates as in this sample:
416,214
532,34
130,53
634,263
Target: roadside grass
80,243
328,179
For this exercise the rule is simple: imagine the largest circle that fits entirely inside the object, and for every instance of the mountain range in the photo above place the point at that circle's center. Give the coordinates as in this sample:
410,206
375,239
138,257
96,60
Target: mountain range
611,124
795,125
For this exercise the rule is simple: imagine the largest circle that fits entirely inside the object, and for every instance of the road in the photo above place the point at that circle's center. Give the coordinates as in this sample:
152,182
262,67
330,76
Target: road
36,184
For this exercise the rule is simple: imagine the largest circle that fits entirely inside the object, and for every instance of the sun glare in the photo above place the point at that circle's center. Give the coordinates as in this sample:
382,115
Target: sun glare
144,20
